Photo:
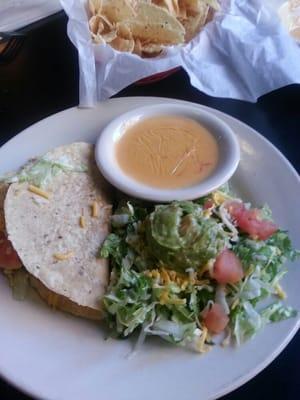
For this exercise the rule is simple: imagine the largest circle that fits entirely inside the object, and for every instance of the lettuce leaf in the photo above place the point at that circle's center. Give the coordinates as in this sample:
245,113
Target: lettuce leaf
41,171
278,312
247,321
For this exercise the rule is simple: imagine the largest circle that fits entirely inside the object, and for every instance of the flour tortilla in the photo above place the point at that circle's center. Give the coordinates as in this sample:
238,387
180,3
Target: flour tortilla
39,228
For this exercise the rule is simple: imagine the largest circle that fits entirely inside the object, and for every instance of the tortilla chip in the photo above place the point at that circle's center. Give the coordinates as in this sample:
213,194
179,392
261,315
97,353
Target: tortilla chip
96,24
123,30
137,47
150,13
95,6
151,50
117,10
213,4
193,24
171,5
121,44
155,33
110,36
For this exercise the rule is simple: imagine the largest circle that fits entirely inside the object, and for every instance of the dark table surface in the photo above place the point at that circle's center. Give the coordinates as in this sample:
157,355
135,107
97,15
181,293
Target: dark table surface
43,79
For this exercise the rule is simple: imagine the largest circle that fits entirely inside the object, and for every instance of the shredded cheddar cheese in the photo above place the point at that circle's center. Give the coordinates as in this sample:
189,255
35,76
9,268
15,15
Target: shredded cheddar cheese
208,267
201,346
207,213
184,285
95,210
165,276
82,222
226,341
63,256
166,299
219,197
280,292
235,303
38,191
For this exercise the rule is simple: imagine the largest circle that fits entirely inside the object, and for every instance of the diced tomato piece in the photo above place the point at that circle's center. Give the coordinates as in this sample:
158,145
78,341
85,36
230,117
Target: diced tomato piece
215,319
235,209
227,268
208,204
8,257
249,221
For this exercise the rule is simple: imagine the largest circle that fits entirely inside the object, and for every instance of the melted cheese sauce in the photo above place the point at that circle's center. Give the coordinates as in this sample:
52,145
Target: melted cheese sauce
167,152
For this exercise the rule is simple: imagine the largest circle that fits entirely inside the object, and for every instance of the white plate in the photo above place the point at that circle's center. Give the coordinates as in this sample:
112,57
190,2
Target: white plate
55,356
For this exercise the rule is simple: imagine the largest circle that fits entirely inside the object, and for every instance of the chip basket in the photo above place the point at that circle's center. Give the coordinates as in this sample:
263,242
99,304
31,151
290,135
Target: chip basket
157,77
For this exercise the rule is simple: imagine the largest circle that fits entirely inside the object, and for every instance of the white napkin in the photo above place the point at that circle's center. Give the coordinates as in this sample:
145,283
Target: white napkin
15,14
242,54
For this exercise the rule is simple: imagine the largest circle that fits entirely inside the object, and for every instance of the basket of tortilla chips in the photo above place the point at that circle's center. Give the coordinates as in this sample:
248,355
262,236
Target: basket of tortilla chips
145,28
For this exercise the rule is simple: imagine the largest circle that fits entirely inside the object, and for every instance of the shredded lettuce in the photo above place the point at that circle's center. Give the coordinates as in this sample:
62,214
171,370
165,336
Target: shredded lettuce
263,262
41,171
278,312
135,300
247,321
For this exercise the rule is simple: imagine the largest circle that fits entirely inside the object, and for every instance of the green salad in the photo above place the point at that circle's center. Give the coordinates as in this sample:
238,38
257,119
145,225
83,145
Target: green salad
186,271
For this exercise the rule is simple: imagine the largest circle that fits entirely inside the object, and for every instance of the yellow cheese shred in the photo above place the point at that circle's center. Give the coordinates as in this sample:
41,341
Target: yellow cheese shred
95,210
280,292
166,299
220,197
82,222
38,191
165,276
207,213
63,256
235,303
201,346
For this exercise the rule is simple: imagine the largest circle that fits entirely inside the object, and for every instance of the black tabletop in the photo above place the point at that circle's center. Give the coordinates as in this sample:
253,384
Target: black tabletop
43,79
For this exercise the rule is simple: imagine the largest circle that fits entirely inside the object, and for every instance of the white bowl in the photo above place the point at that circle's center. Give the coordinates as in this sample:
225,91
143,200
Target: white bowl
229,153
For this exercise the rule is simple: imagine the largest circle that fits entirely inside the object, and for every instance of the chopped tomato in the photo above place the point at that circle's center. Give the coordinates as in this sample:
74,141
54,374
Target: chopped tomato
227,268
215,319
208,204
250,221
8,257
235,209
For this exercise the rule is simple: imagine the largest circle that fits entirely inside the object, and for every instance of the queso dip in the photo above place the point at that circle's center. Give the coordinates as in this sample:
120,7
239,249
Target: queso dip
167,152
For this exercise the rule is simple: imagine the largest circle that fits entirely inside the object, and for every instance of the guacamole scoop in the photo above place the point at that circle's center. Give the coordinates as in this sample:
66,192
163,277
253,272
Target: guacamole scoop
180,236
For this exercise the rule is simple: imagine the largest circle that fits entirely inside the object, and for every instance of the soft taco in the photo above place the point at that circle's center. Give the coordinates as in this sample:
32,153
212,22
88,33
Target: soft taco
55,216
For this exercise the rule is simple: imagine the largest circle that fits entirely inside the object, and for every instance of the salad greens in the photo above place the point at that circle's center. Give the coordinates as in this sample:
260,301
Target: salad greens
162,280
